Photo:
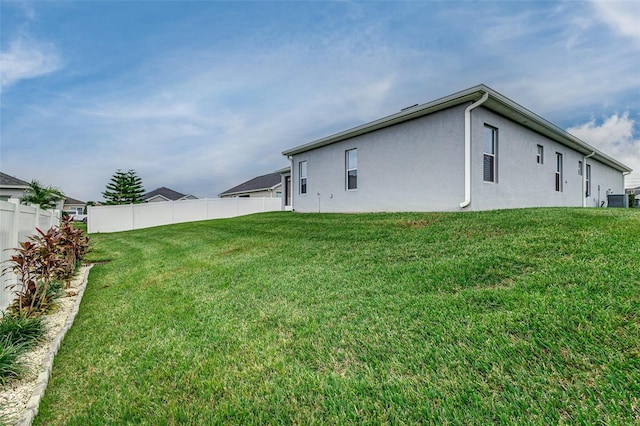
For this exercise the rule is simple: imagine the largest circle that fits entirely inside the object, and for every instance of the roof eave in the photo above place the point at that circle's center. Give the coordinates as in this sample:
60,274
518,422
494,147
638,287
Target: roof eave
458,98
497,103
531,120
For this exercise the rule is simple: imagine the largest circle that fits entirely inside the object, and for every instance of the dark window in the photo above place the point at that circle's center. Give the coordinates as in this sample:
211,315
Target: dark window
351,166
588,183
540,156
489,145
558,172
303,177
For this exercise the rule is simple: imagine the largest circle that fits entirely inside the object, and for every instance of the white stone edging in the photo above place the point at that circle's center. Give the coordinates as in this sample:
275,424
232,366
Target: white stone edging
31,410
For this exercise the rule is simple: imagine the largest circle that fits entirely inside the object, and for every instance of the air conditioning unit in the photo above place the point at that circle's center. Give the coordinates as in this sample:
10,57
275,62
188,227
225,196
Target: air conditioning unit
618,200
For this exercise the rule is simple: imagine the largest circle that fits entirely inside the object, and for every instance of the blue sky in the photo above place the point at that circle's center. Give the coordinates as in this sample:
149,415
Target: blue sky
201,96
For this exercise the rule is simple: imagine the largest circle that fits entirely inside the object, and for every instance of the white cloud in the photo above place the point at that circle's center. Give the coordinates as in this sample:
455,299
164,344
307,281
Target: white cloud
25,59
622,16
614,137
203,120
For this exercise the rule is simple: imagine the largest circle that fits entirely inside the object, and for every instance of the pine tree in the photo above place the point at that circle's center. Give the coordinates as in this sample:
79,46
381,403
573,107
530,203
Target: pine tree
136,190
124,188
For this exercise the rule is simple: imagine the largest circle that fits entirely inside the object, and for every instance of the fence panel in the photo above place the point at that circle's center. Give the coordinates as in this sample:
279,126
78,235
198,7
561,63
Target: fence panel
17,223
109,219
189,211
221,208
138,216
151,214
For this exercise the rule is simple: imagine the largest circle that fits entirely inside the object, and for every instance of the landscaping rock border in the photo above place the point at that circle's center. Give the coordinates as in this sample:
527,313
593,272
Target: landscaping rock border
24,395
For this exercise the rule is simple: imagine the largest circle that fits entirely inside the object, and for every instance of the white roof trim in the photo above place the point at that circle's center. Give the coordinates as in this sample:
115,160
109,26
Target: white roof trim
497,103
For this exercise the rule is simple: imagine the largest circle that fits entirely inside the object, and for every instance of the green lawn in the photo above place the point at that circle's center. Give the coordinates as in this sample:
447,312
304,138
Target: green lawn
522,316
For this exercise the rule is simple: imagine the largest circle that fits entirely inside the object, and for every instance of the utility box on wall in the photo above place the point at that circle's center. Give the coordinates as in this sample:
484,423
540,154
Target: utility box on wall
618,200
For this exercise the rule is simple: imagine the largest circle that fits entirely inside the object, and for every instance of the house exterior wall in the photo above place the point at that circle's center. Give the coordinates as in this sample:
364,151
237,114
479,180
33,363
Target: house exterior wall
268,193
418,165
406,167
6,193
521,181
74,207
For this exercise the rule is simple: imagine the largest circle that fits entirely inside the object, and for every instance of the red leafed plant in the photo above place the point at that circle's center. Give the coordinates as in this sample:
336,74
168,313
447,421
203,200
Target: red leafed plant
41,263
74,245
24,264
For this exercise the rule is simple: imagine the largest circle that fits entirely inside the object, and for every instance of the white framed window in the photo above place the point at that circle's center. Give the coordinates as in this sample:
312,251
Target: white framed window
351,169
579,168
489,153
588,181
540,155
558,172
303,177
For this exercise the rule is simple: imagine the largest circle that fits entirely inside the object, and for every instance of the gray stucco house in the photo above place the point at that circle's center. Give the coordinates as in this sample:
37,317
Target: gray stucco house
472,150
12,187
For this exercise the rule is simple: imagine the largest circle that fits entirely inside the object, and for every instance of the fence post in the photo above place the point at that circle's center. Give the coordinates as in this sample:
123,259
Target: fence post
11,279
13,241
36,219
55,214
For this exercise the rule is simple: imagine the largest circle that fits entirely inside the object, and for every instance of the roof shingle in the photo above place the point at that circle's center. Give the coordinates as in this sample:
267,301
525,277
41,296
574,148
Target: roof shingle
7,180
263,182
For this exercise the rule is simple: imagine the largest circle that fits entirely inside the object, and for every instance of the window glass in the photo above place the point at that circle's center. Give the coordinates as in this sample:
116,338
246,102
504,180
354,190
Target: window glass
540,156
488,168
558,172
352,168
303,177
489,141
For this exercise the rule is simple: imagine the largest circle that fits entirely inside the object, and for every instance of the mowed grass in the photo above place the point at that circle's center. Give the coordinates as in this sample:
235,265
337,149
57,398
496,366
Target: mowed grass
522,316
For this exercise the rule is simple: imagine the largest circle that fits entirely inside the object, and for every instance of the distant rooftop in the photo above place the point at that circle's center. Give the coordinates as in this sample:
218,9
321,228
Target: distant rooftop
259,183
7,180
70,200
164,192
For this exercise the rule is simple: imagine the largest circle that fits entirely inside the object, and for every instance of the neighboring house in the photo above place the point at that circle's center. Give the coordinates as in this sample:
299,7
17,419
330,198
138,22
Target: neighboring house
11,187
472,150
269,186
635,191
71,205
75,209
166,194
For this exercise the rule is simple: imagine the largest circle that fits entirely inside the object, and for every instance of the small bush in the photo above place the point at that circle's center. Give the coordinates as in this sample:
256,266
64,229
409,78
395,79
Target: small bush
10,366
22,329
48,257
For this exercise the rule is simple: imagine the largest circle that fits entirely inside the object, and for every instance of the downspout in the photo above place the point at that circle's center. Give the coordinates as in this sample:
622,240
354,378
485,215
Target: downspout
584,179
467,149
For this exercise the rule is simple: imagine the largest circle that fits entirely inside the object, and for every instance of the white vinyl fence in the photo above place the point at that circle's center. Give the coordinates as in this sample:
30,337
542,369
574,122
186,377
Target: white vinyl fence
138,216
17,223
